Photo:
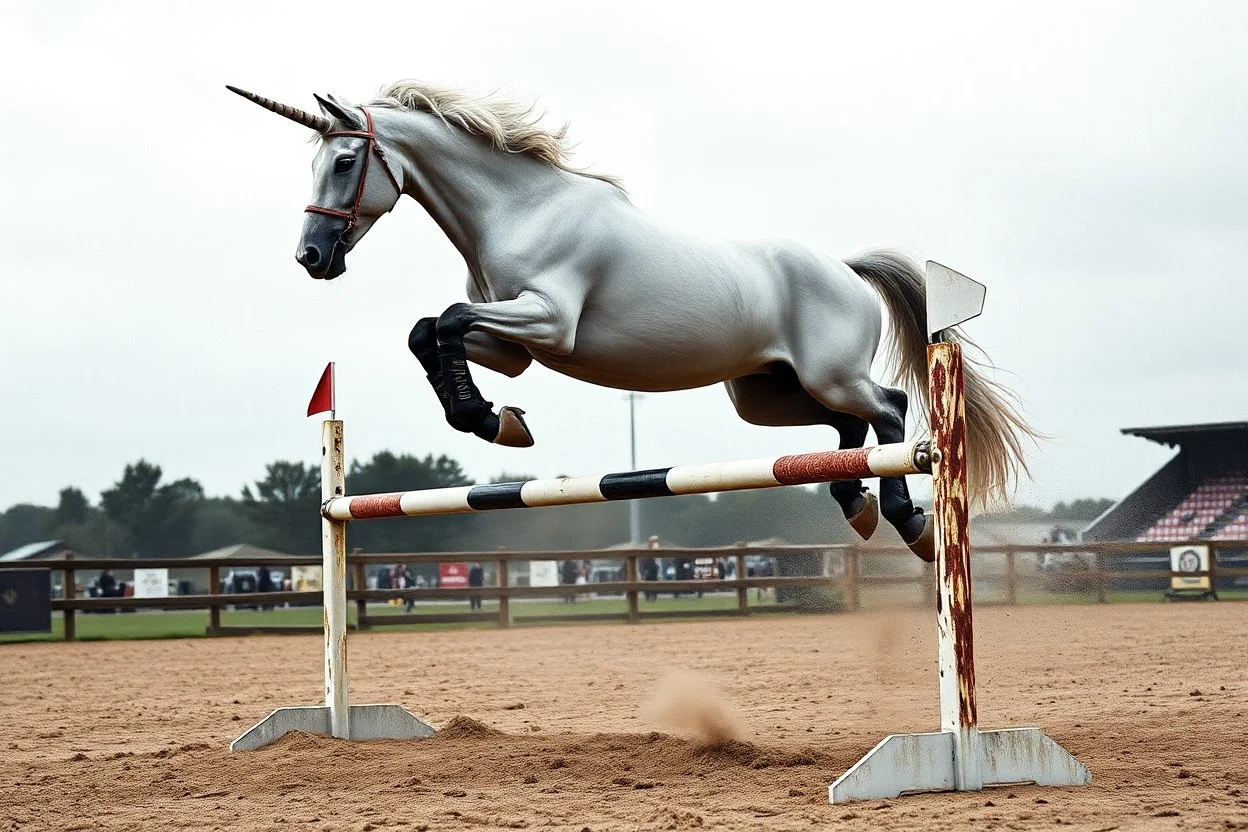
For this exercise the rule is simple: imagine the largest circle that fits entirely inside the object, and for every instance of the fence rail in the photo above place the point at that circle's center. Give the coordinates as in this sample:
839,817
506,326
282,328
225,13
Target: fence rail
844,581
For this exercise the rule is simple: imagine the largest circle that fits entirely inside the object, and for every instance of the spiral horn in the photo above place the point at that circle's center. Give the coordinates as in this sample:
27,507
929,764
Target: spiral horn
318,123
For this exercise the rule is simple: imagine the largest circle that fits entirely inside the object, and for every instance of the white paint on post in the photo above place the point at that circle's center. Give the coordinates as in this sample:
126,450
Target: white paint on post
334,569
950,501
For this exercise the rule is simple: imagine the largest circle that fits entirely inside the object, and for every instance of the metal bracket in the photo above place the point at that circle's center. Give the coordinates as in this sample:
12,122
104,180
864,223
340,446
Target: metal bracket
367,722
907,763
952,298
923,457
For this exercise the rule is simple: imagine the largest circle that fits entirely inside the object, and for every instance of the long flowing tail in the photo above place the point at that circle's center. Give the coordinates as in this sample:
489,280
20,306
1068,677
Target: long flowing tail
995,429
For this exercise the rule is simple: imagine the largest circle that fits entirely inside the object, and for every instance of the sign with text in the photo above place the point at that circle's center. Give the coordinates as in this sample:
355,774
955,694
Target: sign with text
25,601
151,583
452,575
544,573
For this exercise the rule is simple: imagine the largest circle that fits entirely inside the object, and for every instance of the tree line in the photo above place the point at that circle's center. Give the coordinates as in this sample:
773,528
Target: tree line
143,515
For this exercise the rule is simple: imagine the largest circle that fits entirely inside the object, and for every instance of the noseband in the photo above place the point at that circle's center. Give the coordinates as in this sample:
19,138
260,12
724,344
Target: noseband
374,146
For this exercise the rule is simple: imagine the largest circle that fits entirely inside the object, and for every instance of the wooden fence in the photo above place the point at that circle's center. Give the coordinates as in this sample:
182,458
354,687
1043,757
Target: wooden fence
844,575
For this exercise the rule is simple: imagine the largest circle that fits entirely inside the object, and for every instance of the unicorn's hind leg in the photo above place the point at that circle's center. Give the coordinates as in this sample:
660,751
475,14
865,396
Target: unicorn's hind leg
777,399
884,409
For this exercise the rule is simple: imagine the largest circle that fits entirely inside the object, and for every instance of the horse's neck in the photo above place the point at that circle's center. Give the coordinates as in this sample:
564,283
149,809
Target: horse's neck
476,194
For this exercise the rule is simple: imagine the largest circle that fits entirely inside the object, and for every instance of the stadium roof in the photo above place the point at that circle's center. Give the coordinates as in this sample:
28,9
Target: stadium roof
240,550
1178,434
33,550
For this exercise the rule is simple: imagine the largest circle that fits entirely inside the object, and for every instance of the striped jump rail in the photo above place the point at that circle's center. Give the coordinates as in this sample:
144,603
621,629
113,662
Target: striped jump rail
893,460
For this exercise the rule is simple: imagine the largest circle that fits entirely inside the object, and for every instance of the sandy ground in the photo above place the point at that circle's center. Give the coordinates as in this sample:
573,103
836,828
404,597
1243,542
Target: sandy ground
558,728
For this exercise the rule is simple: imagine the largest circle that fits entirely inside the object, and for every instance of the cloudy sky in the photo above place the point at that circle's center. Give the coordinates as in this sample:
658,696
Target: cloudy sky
1085,160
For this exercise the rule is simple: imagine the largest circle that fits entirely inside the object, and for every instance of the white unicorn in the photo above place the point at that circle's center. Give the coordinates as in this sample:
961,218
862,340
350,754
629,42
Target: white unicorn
563,270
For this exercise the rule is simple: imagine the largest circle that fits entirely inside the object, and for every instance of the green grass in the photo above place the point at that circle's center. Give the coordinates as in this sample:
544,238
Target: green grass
150,624
192,623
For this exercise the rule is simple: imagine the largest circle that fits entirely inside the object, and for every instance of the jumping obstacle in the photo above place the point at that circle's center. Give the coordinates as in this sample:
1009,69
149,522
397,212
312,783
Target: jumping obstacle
957,757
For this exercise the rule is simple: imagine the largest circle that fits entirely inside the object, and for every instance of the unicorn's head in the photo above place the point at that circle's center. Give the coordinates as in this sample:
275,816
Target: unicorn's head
353,184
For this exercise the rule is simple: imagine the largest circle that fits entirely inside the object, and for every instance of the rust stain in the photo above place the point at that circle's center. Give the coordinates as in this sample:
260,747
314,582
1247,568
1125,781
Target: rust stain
952,514
800,469
376,505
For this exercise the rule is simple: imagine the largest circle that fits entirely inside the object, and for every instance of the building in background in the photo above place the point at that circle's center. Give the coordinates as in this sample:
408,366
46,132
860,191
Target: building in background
1200,494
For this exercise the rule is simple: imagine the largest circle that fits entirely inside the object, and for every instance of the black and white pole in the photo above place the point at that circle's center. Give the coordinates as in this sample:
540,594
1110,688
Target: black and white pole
795,469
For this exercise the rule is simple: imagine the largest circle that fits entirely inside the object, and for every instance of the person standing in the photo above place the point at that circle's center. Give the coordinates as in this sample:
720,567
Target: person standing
476,577
403,580
650,572
265,584
567,576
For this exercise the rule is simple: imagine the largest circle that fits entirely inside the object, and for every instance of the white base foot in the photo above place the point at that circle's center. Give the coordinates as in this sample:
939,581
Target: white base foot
924,763
367,722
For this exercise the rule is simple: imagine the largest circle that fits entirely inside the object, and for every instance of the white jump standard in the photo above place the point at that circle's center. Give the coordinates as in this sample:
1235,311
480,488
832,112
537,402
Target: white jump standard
336,718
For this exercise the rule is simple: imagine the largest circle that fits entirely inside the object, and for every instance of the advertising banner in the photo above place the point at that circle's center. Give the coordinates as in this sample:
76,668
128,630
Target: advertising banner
452,575
25,601
544,573
151,583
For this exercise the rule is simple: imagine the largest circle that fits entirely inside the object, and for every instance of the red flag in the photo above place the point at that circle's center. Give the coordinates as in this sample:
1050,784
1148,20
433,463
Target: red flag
323,398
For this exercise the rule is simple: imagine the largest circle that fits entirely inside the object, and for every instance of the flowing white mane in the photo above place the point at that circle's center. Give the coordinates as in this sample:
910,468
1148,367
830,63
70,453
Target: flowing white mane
509,125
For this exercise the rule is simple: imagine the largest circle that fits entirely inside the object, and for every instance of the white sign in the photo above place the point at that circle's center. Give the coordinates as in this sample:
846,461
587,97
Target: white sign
952,297
305,578
151,583
1191,560
544,573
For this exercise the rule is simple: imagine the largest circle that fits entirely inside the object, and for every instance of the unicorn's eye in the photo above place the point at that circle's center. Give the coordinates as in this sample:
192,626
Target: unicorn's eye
344,164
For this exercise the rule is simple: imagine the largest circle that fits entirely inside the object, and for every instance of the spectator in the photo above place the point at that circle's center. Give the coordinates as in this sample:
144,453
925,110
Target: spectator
476,577
265,584
684,572
567,576
402,579
585,574
649,572
107,584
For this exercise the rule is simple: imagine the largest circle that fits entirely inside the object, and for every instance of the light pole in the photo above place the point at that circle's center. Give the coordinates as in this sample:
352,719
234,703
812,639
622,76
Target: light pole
634,506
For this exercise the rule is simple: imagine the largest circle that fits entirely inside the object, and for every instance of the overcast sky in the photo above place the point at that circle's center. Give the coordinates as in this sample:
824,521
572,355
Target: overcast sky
1084,160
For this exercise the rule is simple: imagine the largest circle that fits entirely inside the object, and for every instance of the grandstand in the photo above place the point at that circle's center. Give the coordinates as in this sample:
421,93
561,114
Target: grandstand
1200,494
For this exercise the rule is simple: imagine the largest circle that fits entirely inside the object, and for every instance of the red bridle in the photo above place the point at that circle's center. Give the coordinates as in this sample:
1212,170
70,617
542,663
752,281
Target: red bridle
374,146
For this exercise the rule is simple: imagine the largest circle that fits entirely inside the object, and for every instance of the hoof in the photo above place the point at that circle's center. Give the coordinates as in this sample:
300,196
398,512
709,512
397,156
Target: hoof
925,544
868,516
512,431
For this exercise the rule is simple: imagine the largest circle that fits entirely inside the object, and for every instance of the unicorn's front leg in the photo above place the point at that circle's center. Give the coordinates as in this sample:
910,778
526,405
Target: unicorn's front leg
528,321
467,410
484,350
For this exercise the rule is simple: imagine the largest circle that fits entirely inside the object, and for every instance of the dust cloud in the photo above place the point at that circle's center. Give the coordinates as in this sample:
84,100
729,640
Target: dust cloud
688,704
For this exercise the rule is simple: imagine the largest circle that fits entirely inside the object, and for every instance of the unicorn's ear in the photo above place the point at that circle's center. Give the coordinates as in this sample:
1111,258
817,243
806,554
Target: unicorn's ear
341,113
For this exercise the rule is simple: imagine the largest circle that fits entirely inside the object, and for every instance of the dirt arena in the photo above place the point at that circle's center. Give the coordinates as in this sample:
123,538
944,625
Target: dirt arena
576,728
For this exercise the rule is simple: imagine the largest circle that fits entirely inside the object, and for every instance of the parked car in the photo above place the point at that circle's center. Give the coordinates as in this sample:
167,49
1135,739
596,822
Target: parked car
238,581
